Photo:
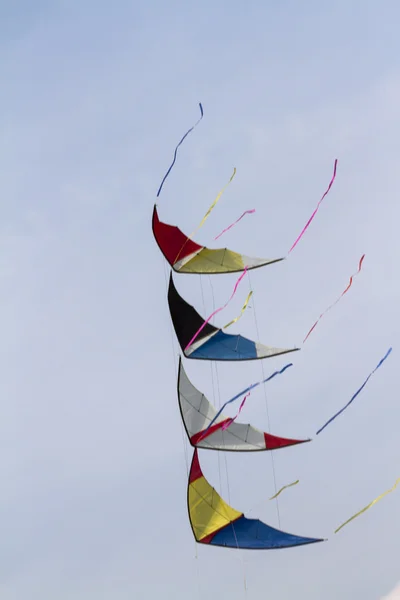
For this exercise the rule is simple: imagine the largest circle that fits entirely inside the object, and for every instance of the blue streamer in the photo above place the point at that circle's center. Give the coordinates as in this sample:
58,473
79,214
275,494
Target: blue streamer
176,149
356,394
251,387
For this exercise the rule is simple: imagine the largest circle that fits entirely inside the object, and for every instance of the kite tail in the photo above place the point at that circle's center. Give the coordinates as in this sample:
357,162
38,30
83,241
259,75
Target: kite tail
336,301
356,394
205,216
316,210
246,212
176,149
284,488
230,421
236,319
368,506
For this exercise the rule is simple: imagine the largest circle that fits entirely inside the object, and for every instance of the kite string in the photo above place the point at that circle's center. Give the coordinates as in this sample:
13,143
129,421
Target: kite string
217,310
205,216
363,510
267,410
337,300
246,212
212,378
356,394
183,433
176,149
229,492
226,462
316,210
176,376
219,401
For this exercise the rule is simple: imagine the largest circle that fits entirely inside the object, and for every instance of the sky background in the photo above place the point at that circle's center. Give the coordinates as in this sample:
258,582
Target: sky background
95,95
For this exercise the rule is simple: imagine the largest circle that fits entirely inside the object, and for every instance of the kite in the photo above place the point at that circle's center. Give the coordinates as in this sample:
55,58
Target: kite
356,394
216,523
194,258
369,505
198,414
212,343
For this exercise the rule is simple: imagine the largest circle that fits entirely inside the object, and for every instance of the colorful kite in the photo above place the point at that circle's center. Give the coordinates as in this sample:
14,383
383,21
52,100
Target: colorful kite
186,256
214,522
212,343
198,413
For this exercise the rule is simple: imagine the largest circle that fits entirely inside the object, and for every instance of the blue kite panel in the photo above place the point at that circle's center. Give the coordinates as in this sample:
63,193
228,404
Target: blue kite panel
223,346
254,534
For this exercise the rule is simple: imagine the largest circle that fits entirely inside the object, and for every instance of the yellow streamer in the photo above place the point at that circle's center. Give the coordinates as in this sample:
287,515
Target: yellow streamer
284,488
214,203
204,219
369,505
241,312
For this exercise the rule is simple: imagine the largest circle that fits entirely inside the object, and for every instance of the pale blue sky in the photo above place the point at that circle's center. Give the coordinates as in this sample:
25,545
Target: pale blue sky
94,98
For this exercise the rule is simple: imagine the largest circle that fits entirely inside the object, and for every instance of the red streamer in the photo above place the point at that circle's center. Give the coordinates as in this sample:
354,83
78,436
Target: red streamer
229,422
341,296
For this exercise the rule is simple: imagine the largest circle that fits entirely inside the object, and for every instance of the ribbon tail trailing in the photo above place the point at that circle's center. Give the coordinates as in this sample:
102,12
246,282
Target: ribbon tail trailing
336,301
246,212
218,310
176,149
206,215
214,203
240,394
368,506
284,488
236,319
316,210
356,394
230,421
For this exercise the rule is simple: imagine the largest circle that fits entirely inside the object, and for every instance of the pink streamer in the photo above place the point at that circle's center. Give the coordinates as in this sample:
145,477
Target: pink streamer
315,211
229,423
218,309
246,212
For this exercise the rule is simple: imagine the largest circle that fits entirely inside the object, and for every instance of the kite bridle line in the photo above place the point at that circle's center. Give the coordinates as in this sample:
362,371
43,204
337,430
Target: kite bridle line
214,387
266,407
222,433
184,437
